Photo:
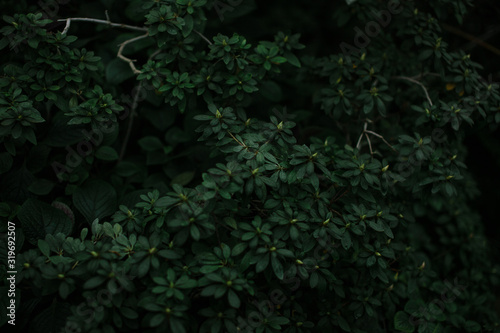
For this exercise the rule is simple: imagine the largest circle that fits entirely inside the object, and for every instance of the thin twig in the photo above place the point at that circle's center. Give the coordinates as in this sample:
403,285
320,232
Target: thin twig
492,31
472,38
366,132
359,140
203,36
154,54
369,143
419,76
116,25
135,103
333,210
234,138
128,60
262,213
361,136
416,82
66,28
381,137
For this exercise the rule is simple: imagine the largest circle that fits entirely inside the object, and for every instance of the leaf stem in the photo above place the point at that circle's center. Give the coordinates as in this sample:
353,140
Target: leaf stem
416,82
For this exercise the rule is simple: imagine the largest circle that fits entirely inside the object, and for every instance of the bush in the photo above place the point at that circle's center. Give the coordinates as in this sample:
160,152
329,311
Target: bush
192,179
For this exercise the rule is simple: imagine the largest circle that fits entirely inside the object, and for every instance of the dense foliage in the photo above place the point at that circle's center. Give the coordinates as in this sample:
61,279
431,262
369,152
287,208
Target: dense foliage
203,176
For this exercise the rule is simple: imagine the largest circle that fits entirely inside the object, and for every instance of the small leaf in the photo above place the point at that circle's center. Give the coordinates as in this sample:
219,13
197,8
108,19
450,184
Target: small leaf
232,223
402,322
157,319
94,282
183,178
233,299
118,71
150,143
41,187
106,153
44,247
292,59
5,162
277,267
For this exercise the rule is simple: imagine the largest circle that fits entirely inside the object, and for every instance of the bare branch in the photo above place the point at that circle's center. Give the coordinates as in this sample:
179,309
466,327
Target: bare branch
154,54
416,82
128,60
369,143
472,38
203,36
366,132
381,137
359,140
66,28
419,76
135,103
118,25
107,22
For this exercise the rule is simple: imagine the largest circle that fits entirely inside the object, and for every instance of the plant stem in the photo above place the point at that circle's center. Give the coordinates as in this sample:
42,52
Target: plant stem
416,82
107,22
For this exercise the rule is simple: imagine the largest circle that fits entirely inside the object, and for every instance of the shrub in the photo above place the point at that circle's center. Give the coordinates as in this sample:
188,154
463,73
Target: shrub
220,183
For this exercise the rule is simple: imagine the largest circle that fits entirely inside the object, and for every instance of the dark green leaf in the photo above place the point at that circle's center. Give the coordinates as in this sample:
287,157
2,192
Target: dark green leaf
95,199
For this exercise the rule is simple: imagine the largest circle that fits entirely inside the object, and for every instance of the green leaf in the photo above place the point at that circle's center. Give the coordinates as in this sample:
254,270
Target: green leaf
195,232
41,187
183,178
157,319
346,240
106,153
118,71
232,223
5,162
272,91
233,299
188,26
127,169
95,200
292,59
415,306
277,267
177,326
62,135
129,313
402,322
108,229
472,326
4,209
286,253
39,219
53,318
94,282
150,143
278,60
64,290
143,268
262,263
344,324
238,249
44,247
